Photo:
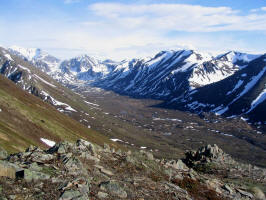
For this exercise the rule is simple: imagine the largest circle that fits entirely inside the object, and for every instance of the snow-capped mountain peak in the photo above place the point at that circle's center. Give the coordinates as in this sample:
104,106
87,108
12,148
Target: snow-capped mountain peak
85,68
36,56
28,53
237,57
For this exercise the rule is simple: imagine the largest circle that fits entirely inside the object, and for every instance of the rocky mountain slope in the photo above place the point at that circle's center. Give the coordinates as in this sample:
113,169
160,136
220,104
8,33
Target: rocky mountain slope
31,79
84,170
243,93
25,120
36,82
167,74
186,80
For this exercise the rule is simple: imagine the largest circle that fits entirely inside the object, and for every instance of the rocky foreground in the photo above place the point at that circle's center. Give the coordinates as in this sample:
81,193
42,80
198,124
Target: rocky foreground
86,171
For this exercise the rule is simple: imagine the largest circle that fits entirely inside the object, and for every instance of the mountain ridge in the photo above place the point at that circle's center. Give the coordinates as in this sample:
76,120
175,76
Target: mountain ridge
169,75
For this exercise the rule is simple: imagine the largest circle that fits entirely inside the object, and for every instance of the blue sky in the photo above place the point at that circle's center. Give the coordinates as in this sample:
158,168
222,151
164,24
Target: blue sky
126,29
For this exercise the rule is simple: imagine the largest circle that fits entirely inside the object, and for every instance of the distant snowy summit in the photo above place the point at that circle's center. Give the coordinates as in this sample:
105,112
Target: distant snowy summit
85,68
38,57
28,53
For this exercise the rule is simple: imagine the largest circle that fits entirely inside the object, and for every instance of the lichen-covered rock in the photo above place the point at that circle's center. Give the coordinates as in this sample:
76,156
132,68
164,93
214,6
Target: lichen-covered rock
107,172
181,193
228,189
73,164
179,165
87,156
32,148
41,157
148,155
114,188
71,194
83,145
64,147
35,167
244,193
106,148
61,148
83,170
102,195
30,175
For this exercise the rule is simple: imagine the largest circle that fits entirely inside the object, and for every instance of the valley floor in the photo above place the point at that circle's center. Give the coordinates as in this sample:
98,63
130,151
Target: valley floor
138,123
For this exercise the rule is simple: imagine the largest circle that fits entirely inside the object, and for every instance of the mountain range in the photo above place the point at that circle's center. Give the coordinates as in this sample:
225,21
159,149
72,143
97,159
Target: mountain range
231,84
123,141
85,89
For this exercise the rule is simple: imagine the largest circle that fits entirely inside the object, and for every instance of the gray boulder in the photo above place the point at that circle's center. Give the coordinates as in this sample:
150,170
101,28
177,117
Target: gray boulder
179,165
30,175
61,148
41,157
85,146
114,188
102,195
71,194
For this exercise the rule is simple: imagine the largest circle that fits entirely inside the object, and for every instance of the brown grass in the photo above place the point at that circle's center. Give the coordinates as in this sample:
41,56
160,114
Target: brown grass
197,190
25,119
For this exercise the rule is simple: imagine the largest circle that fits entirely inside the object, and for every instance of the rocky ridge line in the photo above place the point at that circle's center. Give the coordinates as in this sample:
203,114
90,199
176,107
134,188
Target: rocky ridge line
84,170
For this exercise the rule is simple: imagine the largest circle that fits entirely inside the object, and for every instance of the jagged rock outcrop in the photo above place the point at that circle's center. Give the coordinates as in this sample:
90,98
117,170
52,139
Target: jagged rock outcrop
208,154
83,170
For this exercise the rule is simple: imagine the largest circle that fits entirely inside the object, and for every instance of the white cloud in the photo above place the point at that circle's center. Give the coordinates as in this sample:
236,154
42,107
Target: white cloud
179,17
258,9
120,31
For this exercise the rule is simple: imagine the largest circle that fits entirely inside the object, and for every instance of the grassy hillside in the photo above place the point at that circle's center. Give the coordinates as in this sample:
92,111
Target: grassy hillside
24,119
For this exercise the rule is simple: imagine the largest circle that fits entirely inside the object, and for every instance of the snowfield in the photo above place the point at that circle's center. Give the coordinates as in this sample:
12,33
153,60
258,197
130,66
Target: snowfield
261,98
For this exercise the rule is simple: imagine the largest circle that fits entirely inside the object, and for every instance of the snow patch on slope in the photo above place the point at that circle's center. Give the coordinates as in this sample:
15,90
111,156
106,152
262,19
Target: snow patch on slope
239,83
91,103
208,78
57,103
49,143
250,84
44,81
8,57
221,111
258,100
24,68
